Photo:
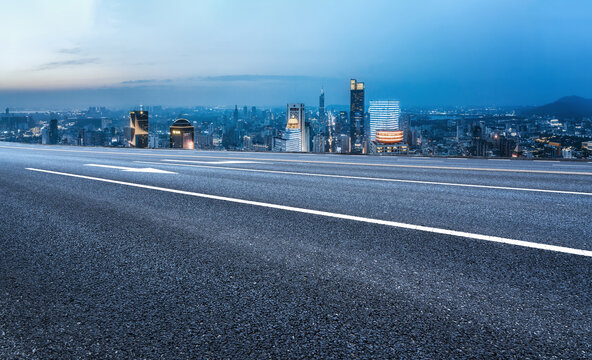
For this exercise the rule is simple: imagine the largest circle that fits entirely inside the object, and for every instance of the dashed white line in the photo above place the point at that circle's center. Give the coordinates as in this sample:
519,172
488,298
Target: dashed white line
462,234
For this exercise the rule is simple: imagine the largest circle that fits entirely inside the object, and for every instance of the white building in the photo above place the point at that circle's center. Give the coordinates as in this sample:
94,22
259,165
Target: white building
295,133
384,115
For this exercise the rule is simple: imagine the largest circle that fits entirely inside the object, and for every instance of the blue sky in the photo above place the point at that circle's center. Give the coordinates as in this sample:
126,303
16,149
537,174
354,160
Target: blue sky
262,52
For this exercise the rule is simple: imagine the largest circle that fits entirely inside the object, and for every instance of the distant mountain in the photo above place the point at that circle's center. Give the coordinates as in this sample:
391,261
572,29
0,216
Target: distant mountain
566,107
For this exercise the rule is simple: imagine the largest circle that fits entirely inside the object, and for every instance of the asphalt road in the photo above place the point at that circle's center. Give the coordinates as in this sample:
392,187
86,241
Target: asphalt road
129,253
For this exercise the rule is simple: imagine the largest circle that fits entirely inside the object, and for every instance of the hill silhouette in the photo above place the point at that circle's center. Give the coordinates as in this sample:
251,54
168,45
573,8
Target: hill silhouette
566,107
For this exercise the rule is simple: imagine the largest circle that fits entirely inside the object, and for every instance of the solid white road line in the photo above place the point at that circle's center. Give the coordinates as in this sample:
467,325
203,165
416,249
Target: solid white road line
228,162
427,167
130,169
467,235
133,152
170,162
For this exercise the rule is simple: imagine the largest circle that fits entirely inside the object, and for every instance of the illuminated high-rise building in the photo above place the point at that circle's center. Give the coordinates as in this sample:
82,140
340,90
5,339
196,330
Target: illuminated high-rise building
356,116
139,128
296,131
384,115
182,134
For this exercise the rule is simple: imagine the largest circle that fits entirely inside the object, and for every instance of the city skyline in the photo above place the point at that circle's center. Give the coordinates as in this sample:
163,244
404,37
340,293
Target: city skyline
379,179
221,53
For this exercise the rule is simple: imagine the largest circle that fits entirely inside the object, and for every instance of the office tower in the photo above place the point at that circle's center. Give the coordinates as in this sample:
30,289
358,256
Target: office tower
254,117
139,128
322,107
343,142
295,133
319,143
235,115
53,131
245,112
356,117
182,135
384,115
341,125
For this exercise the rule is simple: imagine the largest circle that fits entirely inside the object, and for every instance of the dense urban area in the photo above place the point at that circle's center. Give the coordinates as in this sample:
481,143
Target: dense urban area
383,128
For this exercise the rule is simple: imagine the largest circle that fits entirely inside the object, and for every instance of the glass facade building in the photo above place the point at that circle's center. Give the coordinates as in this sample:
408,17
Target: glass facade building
295,134
139,129
356,116
384,115
182,135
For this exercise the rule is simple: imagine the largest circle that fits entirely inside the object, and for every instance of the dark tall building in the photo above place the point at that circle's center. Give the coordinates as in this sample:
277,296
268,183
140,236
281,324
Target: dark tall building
341,124
356,117
479,146
245,112
253,114
235,115
182,134
322,106
139,128
53,131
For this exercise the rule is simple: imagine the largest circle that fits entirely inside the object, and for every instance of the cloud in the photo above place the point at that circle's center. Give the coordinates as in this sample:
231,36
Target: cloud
74,50
250,77
134,82
191,80
58,64
146,82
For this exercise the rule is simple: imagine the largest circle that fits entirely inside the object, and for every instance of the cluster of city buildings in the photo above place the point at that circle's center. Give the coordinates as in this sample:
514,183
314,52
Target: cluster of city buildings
377,127
357,131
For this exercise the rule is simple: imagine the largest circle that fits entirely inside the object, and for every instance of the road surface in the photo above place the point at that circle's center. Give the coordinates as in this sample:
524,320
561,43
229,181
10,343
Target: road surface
133,253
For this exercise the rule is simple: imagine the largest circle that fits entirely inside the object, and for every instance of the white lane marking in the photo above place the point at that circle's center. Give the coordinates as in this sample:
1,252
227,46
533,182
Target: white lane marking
499,159
173,162
135,153
554,172
528,244
546,161
456,158
130,169
224,162
571,165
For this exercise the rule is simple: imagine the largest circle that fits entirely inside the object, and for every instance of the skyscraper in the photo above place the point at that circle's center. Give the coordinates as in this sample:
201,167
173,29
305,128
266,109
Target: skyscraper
356,116
384,115
342,123
53,131
139,128
322,106
235,115
182,135
295,133
253,114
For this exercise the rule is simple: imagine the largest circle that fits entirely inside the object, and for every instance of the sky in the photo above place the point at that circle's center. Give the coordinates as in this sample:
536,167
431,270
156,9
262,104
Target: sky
70,53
